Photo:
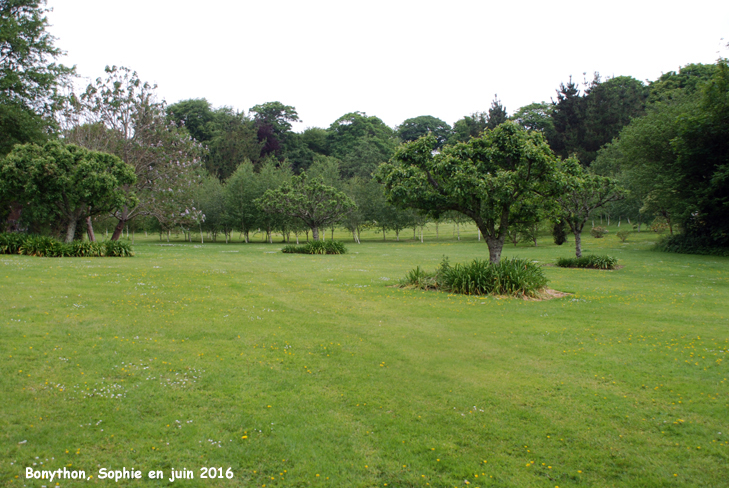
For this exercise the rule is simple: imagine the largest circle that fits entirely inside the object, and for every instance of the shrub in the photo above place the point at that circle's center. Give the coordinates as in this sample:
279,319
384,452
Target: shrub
516,277
598,232
559,233
591,261
623,235
316,247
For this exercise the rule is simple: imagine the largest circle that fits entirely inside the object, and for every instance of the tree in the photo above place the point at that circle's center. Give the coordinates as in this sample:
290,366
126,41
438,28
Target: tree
468,127
702,163
197,116
584,123
240,191
210,199
229,135
66,182
346,133
166,161
273,120
311,201
362,160
235,141
414,128
579,194
567,119
536,116
30,79
497,114
495,179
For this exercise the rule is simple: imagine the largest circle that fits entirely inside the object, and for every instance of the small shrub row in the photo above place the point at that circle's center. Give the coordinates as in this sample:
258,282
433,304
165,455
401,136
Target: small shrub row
316,247
515,277
591,261
598,232
44,246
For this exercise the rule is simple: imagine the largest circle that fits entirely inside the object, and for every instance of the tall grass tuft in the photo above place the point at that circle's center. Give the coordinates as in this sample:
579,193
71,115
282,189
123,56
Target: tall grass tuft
515,277
591,261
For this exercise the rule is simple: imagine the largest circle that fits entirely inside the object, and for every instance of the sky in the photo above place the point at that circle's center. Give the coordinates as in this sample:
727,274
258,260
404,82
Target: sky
395,59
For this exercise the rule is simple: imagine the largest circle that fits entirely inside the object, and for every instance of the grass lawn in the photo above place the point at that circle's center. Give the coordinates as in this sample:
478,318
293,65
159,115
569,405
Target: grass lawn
296,370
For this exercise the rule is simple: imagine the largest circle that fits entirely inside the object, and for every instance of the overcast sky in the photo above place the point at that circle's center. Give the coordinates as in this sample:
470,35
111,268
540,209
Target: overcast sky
393,59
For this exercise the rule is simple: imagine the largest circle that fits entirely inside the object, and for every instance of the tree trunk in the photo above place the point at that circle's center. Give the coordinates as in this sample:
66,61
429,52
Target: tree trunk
397,235
383,234
578,243
436,230
458,227
90,230
495,246
118,230
70,230
314,233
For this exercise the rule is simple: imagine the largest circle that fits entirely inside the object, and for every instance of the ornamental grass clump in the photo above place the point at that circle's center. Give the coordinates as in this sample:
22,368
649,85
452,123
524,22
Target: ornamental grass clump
316,247
45,246
515,277
591,261
10,242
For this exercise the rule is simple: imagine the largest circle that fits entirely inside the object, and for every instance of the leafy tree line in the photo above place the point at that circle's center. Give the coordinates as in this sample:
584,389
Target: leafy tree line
190,165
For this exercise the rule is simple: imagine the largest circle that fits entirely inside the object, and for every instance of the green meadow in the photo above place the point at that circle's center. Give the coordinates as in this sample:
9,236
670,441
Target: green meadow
300,370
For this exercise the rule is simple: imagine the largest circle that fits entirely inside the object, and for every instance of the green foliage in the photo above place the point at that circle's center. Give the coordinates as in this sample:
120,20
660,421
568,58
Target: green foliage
316,247
584,123
67,182
559,232
659,225
598,232
497,114
536,116
623,235
589,261
689,244
46,246
469,126
514,277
